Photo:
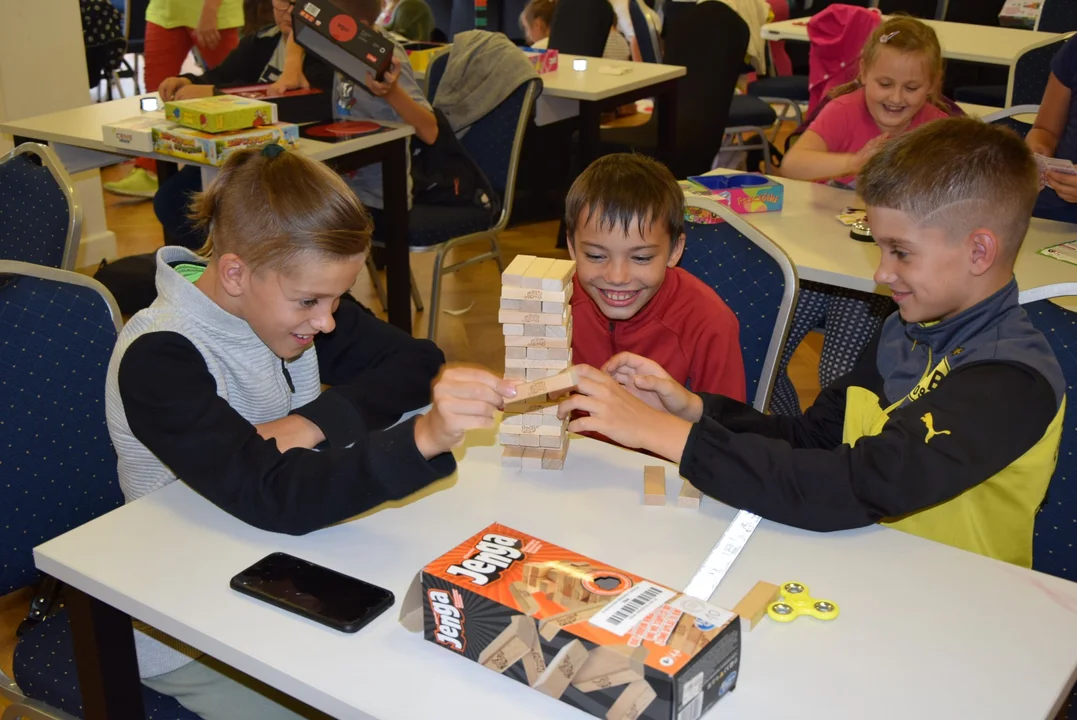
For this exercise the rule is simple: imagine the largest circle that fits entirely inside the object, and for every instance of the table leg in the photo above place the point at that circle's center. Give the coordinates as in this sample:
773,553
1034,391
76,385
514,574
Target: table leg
590,126
105,655
394,182
667,124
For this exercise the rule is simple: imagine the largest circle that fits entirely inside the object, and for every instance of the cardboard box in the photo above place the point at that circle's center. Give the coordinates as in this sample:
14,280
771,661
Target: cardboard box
598,638
134,133
293,106
221,113
1022,14
743,192
337,38
215,148
543,61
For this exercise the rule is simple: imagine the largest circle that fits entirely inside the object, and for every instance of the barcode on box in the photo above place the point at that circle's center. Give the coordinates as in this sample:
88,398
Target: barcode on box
312,9
623,613
692,710
691,688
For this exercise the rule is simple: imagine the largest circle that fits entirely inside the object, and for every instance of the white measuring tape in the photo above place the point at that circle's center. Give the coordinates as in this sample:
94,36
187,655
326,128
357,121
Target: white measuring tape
721,558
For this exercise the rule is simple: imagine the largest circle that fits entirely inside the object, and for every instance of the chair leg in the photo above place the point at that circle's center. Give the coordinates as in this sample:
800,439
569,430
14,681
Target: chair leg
435,292
375,280
495,246
416,296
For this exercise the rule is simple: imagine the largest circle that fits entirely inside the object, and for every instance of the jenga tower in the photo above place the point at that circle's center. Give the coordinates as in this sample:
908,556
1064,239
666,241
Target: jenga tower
537,323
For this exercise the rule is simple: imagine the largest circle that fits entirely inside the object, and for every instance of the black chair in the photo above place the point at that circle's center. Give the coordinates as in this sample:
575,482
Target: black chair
710,40
442,10
581,27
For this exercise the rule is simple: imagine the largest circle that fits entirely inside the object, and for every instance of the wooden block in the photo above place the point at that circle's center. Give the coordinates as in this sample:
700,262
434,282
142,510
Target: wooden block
569,603
532,458
552,442
537,430
559,275
533,374
510,304
532,363
534,330
549,627
537,341
513,275
516,373
608,667
557,453
517,353
531,407
530,306
513,643
558,353
512,456
562,381
537,353
510,440
562,669
552,463
534,662
557,331
753,606
536,271
552,307
512,329
552,419
689,496
632,701
525,601
522,293
654,485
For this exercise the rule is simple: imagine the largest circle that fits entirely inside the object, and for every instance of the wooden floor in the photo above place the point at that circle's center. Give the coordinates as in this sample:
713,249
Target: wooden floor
468,328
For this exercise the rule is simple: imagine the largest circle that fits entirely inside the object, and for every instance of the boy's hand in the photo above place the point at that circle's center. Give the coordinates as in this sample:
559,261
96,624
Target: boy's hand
620,416
1063,184
291,431
465,398
287,82
169,86
189,92
648,381
388,82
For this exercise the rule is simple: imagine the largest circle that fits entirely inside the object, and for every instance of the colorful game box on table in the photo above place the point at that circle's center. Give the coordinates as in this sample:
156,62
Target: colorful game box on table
544,61
221,113
1021,13
135,133
602,640
215,148
743,192
294,106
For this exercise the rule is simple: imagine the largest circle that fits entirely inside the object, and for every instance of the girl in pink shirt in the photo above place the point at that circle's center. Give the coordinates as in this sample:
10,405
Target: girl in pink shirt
898,90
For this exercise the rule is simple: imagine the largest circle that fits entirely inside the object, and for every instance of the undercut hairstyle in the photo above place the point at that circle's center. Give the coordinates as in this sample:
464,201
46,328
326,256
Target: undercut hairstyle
957,174
363,10
275,209
623,189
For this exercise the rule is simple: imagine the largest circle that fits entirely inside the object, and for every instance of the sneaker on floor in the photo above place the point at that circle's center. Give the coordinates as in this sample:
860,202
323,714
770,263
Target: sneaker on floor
139,183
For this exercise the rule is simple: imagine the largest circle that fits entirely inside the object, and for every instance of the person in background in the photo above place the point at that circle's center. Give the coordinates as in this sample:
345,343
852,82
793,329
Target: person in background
537,17
410,19
173,29
1055,136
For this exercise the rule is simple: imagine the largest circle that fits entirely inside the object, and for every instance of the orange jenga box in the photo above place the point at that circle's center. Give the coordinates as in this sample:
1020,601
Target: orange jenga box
598,638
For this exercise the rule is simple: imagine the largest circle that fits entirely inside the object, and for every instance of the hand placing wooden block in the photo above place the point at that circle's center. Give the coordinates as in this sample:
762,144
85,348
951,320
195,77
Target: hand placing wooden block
654,485
753,606
563,381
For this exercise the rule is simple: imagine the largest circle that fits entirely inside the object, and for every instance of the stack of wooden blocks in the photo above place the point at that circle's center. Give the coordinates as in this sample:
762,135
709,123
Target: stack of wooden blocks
537,323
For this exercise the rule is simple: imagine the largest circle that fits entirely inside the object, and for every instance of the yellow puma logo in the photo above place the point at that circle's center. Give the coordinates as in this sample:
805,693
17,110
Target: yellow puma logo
931,432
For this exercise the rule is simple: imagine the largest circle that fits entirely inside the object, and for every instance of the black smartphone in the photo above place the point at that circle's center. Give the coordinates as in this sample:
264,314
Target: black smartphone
340,601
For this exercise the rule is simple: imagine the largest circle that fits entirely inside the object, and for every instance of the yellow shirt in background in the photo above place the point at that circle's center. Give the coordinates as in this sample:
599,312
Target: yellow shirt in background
185,13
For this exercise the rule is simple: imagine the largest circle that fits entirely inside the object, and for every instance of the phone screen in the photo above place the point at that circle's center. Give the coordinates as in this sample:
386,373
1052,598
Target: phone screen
316,592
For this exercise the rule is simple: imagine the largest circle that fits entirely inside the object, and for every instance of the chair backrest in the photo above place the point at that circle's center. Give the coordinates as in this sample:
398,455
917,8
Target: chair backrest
495,140
1052,546
1030,72
646,33
755,278
40,216
434,71
709,39
925,9
1006,118
461,18
580,27
58,468
1057,16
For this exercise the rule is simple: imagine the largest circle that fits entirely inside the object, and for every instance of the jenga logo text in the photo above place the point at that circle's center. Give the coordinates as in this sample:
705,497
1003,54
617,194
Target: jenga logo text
495,553
448,621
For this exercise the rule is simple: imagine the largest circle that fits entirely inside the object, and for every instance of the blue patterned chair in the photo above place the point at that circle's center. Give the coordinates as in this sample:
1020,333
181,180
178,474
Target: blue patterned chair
58,470
40,218
1058,16
755,278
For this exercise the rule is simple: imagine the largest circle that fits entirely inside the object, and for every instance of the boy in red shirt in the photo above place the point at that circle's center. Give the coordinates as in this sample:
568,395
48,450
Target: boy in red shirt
624,218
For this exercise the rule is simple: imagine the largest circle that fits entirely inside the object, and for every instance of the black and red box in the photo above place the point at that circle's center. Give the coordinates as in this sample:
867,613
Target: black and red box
350,46
294,106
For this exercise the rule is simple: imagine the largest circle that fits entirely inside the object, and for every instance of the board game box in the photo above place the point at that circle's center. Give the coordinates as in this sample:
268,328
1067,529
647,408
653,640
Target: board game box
221,113
214,148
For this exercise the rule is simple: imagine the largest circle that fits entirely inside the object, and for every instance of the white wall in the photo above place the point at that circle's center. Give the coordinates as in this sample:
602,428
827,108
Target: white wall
43,70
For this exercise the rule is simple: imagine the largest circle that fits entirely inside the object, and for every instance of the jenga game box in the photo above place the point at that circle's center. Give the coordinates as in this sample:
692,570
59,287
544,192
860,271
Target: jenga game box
603,640
221,113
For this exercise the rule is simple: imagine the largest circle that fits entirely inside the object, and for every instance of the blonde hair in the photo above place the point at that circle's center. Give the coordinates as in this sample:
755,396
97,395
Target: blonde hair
908,35
540,9
957,174
270,207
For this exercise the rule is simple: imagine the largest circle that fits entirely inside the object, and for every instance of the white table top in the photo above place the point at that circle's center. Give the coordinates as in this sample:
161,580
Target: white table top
925,631
960,41
808,230
81,127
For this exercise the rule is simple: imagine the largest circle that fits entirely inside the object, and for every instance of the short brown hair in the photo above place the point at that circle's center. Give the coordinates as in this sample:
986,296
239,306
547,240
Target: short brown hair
957,174
541,9
908,35
269,210
623,188
364,10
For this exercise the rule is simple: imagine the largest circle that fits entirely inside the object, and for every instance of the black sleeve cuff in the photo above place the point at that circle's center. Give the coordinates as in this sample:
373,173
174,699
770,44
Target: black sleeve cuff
689,460
337,418
398,464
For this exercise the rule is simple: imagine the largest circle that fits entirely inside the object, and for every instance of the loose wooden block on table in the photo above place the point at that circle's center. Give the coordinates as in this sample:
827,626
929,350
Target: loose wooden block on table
689,496
562,381
654,485
753,606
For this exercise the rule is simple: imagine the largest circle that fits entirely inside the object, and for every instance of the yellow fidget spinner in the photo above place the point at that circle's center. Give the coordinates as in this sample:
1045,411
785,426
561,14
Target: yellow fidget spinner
795,600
